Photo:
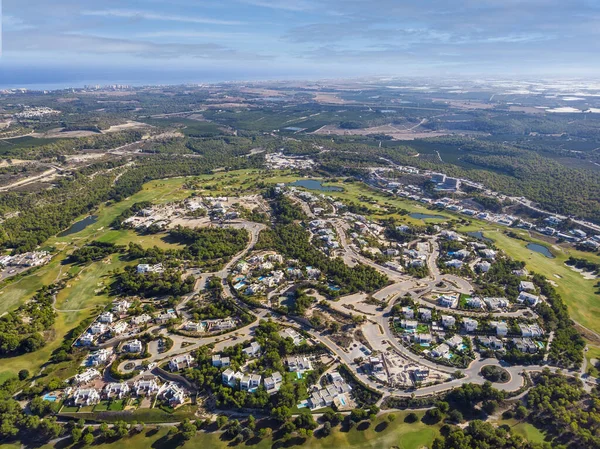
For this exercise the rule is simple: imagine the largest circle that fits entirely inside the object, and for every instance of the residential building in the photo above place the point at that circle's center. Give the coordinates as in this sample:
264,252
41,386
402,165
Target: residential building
273,382
85,397
483,267
119,328
116,390
227,376
475,303
488,253
422,338
529,299
491,342
252,350
181,362
501,328
220,324
133,346
165,317
526,286
449,301
409,324
332,394
425,314
408,313
525,345
173,394
98,328
121,307
99,357
250,382
440,351
141,319
298,364
145,387
420,374
454,263
86,376
531,330
376,364
144,268
496,303
288,332
86,339
106,317
192,326
470,324
448,321
455,342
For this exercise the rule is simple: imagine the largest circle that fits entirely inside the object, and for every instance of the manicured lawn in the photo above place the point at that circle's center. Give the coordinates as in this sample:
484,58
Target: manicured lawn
525,429
83,291
116,406
102,406
380,434
593,353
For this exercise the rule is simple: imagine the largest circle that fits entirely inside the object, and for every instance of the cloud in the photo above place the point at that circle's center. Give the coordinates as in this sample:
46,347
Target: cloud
74,43
286,5
12,23
146,15
189,34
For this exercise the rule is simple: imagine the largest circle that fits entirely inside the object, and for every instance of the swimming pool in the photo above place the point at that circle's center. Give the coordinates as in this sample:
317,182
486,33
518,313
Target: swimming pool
342,400
50,398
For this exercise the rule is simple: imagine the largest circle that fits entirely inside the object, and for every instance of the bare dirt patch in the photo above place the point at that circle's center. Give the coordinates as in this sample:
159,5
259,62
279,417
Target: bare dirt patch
389,130
330,98
460,104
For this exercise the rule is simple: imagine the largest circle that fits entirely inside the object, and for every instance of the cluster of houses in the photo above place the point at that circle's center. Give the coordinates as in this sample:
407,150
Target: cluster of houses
322,231
337,393
25,260
279,161
108,322
81,396
411,319
212,325
249,284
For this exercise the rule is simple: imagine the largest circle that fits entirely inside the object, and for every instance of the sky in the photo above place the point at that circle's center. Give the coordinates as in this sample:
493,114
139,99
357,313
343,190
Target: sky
212,40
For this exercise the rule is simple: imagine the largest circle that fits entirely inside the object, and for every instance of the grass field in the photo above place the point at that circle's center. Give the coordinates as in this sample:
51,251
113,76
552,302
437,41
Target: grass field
380,434
592,355
525,429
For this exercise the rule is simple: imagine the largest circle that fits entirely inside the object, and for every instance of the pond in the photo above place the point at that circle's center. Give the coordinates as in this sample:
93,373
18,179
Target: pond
540,249
421,216
479,236
314,184
79,226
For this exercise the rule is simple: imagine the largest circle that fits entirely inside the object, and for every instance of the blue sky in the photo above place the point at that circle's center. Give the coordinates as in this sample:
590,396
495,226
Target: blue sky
303,38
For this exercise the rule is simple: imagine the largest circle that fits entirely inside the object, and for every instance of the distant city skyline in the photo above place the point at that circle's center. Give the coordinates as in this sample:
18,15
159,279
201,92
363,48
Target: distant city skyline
152,41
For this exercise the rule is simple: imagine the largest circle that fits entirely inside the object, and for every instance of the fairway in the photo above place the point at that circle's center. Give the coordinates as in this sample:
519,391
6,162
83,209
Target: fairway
379,434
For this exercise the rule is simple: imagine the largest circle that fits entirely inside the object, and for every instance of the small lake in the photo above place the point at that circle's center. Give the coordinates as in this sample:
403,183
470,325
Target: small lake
420,216
540,249
314,184
79,226
479,236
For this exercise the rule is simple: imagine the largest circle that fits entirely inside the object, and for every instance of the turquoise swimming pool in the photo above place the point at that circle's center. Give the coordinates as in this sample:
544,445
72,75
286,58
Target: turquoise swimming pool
50,397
